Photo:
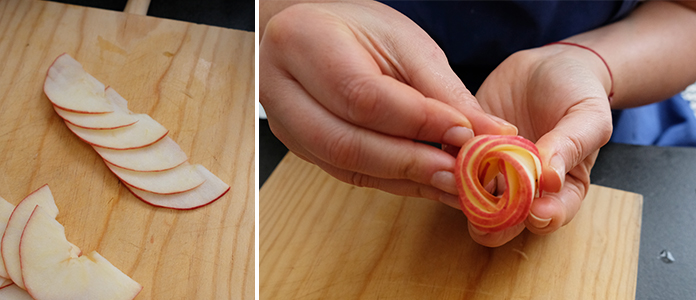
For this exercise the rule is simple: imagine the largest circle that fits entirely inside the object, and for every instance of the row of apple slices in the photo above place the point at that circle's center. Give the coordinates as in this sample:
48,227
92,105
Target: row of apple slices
135,147
38,262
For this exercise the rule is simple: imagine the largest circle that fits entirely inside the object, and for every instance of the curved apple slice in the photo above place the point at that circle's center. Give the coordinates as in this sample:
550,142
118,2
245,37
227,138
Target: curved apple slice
183,178
70,87
13,233
481,160
4,282
120,117
162,155
13,292
212,189
145,132
52,270
6,209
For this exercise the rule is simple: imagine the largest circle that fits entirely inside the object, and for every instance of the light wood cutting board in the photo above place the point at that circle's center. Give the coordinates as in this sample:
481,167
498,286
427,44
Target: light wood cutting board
324,239
197,81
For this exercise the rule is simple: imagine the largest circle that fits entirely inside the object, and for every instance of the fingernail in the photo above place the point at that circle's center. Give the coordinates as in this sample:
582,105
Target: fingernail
444,180
538,222
558,165
457,136
505,123
450,200
475,231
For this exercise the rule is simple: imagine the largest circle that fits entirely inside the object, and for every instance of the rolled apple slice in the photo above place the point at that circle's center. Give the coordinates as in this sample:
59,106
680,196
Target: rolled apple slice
4,282
71,88
120,117
479,162
212,189
162,155
13,233
52,270
145,132
13,292
183,178
6,209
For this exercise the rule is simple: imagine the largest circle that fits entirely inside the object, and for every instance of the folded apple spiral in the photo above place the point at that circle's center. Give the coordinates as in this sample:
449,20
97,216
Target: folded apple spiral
479,162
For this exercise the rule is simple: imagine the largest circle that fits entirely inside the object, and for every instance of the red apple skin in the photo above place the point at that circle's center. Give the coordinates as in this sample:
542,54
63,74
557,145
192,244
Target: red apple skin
177,208
506,217
125,148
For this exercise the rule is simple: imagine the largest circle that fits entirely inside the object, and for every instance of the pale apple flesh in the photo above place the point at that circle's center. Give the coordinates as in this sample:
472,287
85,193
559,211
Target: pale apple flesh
481,160
13,292
143,133
52,270
212,189
13,233
71,88
183,178
162,155
120,117
4,282
6,209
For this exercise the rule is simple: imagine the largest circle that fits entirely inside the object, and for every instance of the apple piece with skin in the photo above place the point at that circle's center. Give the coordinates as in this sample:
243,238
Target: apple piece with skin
4,282
486,157
120,117
183,178
13,292
69,87
13,233
143,133
6,209
212,189
162,155
52,270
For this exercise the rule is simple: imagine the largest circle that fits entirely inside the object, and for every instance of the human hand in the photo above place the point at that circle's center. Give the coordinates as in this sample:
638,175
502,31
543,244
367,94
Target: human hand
557,97
351,87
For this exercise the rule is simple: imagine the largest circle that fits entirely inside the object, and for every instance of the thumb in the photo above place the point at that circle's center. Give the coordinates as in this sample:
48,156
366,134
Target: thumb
582,131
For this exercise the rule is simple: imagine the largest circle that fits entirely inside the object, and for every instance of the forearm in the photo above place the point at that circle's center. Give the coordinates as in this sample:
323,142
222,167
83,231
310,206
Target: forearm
650,53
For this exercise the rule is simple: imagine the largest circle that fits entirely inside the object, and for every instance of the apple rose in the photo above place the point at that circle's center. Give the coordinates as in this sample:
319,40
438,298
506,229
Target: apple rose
487,159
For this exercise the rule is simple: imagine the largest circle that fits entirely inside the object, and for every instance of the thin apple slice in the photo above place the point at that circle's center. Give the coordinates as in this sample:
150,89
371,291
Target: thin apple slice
13,292
15,226
120,117
51,269
162,155
70,87
183,178
4,282
143,133
212,189
6,209
484,158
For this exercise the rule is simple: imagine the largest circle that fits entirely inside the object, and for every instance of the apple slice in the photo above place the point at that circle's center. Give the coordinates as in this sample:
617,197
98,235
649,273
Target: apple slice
15,226
120,117
162,155
183,178
13,292
71,88
4,282
480,161
143,133
6,209
52,270
212,189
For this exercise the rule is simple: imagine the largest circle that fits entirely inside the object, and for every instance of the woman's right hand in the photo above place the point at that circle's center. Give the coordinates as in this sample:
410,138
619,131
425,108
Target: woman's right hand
353,87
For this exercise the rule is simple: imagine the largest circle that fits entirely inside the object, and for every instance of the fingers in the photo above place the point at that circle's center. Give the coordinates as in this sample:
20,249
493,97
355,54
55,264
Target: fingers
554,210
495,239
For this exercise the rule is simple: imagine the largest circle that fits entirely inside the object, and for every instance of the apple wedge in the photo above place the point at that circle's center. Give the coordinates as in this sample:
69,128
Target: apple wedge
162,155
183,178
212,189
483,159
6,209
71,88
13,292
13,233
120,117
4,282
52,270
143,133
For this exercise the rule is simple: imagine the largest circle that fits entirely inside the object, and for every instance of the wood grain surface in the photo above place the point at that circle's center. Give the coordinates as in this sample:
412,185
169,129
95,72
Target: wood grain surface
197,81
324,239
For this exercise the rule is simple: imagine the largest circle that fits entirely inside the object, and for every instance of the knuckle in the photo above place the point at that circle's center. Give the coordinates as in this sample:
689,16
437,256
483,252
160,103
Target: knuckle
343,150
361,98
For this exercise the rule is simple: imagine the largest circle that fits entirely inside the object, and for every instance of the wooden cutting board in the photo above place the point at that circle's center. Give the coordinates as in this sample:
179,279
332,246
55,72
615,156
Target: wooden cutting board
197,81
323,239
